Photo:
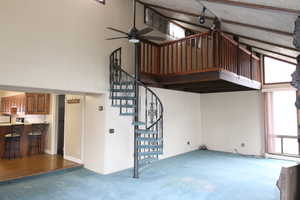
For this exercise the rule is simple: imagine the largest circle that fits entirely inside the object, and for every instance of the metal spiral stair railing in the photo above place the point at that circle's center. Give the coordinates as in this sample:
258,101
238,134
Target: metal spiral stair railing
135,99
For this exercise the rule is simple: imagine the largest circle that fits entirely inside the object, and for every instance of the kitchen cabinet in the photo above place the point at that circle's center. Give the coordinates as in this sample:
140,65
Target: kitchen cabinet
37,104
17,101
28,103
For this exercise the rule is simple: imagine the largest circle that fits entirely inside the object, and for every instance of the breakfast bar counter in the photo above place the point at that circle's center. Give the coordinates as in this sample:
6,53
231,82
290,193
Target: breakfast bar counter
24,143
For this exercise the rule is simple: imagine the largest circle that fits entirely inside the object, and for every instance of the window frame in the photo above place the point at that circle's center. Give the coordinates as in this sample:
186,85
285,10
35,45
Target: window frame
168,21
263,68
267,104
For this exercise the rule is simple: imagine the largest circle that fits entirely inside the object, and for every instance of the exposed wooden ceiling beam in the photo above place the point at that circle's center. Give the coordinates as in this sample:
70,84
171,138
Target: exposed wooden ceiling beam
169,9
254,6
267,50
292,63
262,41
187,22
258,27
223,20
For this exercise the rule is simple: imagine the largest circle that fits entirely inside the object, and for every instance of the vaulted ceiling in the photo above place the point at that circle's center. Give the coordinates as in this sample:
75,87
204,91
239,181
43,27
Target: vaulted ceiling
268,21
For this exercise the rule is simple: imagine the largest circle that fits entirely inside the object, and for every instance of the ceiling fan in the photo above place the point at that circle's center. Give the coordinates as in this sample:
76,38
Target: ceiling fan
135,35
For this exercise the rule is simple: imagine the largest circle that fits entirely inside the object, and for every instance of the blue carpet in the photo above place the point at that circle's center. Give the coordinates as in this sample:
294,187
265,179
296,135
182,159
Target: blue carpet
199,175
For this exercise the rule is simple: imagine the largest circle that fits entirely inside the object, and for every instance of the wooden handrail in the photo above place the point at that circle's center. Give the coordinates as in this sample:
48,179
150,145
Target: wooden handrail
242,48
183,39
230,39
202,51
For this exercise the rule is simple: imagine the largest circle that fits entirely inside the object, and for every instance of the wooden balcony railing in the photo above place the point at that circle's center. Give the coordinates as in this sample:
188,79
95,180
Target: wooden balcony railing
198,53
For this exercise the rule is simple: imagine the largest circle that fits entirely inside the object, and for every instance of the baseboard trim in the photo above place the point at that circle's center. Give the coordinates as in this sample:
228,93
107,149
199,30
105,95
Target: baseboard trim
47,151
278,157
70,158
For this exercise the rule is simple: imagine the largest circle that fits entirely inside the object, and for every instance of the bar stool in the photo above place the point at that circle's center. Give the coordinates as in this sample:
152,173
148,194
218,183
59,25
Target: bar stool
35,139
12,142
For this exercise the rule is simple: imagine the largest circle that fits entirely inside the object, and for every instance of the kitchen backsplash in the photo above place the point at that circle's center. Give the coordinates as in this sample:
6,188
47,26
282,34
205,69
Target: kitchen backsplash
35,118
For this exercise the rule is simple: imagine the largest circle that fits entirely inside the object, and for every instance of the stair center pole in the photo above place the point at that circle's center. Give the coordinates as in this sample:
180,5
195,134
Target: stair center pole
136,116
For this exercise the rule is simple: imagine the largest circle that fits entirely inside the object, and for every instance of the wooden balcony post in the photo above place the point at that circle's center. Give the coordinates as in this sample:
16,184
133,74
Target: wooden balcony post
220,46
251,63
158,70
214,48
237,39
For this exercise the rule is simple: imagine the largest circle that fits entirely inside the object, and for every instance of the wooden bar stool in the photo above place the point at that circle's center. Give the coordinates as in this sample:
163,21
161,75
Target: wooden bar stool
35,139
12,142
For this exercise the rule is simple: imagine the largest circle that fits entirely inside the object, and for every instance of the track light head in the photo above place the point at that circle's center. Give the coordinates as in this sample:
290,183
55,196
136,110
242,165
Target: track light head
202,17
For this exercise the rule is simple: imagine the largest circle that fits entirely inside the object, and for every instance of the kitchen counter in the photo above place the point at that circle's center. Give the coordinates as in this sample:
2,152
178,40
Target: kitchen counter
25,124
5,128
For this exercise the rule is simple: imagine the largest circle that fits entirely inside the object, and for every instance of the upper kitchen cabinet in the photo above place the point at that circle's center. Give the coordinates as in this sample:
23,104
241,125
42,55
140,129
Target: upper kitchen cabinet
37,104
17,101
28,103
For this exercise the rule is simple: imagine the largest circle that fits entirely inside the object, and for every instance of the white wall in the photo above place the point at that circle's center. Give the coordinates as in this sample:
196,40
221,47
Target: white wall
74,129
51,145
94,137
230,119
182,123
60,44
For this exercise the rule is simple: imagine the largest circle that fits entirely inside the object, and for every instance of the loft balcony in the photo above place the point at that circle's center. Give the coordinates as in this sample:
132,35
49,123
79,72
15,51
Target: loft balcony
203,63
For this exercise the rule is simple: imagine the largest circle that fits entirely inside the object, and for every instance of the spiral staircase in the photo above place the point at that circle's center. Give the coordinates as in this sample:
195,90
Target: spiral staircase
136,100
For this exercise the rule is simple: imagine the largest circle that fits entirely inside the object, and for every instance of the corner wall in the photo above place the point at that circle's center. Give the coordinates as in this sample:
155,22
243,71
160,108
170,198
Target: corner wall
230,119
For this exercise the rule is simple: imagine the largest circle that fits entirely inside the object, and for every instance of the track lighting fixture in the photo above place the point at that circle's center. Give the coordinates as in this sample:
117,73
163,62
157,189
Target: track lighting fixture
202,17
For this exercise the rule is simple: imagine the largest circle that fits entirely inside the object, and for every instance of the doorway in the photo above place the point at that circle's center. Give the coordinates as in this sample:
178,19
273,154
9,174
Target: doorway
61,125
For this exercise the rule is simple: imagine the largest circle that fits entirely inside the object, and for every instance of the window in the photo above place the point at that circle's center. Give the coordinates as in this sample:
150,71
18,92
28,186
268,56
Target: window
176,31
276,71
282,123
162,24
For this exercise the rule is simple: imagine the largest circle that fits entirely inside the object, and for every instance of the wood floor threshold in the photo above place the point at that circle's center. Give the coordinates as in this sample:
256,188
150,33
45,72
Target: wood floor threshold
9,180
12,174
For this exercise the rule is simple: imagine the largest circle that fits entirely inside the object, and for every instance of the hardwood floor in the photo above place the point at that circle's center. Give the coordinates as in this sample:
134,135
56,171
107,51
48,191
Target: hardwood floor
33,165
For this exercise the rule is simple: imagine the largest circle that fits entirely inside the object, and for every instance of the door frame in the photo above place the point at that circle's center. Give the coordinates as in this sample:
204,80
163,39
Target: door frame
83,117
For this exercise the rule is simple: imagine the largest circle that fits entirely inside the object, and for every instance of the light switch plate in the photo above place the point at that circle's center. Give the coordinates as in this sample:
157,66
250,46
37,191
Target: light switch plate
111,131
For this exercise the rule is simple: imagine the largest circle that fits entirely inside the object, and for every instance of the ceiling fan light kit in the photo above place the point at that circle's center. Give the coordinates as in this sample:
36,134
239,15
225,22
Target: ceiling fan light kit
135,35
202,17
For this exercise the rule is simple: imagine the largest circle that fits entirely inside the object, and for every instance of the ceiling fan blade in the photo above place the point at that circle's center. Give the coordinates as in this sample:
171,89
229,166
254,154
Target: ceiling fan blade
110,28
116,38
145,31
157,38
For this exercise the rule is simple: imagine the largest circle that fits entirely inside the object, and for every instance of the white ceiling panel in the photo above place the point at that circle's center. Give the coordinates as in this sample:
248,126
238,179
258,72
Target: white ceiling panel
183,5
290,4
273,20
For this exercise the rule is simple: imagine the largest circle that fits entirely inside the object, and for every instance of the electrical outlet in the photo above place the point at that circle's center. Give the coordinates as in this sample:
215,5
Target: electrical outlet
111,131
100,108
